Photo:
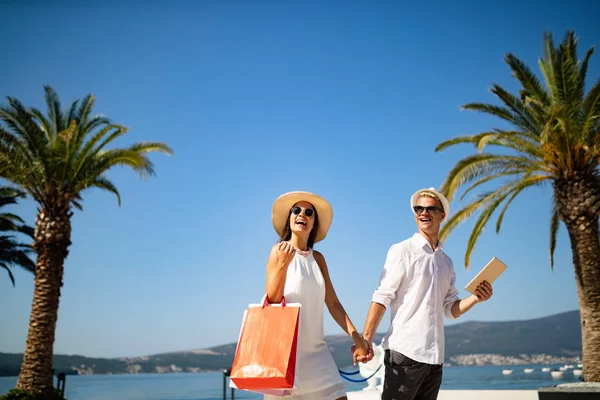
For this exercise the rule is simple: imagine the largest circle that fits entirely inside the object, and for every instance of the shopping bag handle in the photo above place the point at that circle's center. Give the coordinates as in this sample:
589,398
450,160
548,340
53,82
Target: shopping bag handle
266,301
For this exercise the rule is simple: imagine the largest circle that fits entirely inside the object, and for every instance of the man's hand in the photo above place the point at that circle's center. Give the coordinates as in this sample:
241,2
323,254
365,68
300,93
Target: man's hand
362,353
484,291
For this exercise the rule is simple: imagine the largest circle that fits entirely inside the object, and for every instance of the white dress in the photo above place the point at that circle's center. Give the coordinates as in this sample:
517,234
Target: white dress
317,376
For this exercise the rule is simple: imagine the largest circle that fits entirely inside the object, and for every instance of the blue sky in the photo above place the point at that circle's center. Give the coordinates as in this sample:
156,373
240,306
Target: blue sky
345,99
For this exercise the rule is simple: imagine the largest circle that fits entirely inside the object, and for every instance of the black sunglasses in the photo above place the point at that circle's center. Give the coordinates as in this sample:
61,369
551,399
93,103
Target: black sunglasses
307,211
430,209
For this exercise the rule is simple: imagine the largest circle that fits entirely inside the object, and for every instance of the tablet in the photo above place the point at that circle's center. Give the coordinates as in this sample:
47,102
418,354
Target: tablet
489,273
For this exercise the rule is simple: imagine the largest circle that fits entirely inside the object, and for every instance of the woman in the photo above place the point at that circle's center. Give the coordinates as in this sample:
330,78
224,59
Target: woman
299,273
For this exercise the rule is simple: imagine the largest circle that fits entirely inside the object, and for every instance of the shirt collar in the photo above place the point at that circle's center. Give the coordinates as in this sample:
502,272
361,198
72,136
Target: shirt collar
421,241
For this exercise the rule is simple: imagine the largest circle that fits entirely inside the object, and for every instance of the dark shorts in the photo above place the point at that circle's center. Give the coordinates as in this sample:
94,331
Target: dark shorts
407,379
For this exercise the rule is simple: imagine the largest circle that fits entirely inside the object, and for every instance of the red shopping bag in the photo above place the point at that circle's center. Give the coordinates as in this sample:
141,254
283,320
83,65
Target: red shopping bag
265,359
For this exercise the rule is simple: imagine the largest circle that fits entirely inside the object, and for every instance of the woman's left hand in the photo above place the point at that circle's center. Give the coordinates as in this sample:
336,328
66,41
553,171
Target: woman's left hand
363,352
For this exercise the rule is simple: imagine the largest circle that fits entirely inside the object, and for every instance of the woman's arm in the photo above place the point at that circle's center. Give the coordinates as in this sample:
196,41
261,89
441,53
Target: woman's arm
336,309
280,258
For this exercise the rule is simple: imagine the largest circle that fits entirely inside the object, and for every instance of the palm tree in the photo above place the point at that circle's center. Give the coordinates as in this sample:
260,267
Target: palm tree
54,158
13,253
554,137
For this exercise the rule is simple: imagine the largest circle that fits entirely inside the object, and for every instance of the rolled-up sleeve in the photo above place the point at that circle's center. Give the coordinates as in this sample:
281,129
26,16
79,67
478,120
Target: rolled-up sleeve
390,279
451,297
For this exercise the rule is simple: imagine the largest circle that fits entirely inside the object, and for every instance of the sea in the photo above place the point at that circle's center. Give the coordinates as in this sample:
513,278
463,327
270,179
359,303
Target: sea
209,385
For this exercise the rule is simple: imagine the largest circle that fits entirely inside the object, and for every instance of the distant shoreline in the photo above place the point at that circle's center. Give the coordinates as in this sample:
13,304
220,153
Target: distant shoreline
469,343
563,361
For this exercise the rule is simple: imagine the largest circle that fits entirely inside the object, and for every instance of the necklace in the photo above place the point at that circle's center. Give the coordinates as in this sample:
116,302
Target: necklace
303,253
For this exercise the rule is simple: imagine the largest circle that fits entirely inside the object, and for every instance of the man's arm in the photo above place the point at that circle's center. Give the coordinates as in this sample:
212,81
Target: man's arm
376,312
390,280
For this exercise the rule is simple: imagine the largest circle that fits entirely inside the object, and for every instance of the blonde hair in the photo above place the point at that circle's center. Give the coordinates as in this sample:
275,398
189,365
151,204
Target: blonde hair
431,195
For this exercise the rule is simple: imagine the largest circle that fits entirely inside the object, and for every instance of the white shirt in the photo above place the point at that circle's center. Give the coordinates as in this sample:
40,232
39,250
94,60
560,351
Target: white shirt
418,283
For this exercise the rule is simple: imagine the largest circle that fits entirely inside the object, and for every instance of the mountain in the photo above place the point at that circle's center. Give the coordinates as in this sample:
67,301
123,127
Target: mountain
556,336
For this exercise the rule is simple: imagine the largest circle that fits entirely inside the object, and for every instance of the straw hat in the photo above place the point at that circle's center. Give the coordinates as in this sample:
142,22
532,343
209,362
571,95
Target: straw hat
285,202
443,200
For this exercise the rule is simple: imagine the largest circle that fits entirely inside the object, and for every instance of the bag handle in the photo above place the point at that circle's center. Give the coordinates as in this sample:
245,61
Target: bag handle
266,301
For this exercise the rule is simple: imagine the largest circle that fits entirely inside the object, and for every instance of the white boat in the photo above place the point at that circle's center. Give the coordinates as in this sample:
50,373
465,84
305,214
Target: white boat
546,369
557,374
579,366
528,370
577,372
507,371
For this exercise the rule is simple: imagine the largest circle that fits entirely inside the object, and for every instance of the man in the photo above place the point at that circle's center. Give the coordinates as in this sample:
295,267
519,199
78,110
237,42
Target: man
417,282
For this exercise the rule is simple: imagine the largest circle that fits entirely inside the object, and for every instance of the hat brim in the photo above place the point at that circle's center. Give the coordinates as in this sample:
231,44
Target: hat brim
443,200
283,204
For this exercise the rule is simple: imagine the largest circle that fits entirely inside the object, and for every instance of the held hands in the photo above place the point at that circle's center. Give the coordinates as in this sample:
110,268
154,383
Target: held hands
285,253
362,351
484,291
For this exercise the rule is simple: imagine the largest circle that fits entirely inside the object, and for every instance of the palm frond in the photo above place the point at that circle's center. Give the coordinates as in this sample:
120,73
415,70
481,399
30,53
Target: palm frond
71,116
30,136
45,124
6,216
491,206
515,193
12,252
523,143
135,159
85,109
91,147
500,112
124,157
527,78
26,230
474,166
54,108
520,112
584,64
77,199
89,125
148,147
9,195
547,67
564,70
10,274
103,183
576,73
520,141
488,178
590,110
457,140
77,204
19,120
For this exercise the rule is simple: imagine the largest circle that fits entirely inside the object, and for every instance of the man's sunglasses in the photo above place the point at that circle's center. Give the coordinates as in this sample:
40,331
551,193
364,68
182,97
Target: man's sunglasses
430,209
307,211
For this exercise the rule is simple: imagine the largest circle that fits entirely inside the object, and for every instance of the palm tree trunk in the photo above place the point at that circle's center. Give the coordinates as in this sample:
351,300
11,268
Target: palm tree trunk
51,242
578,202
586,258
